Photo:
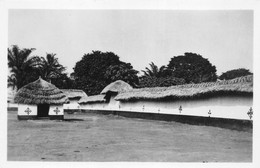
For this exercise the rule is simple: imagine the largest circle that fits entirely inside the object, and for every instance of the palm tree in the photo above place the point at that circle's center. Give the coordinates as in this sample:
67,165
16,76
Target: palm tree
158,77
154,71
20,65
50,68
11,81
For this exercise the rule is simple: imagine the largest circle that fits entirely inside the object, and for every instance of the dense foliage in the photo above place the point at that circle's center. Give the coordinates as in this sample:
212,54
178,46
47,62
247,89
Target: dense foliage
21,65
160,82
25,69
154,71
123,71
234,73
50,68
98,69
193,68
63,82
158,77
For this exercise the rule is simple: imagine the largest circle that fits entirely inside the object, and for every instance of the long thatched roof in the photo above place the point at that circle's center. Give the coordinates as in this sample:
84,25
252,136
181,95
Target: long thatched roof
242,85
92,99
40,92
117,86
74,93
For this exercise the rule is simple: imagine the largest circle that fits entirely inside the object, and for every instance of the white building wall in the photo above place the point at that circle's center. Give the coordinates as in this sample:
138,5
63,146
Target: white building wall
113,104
222,107
72,105
95,106
32,109
56,108
235,107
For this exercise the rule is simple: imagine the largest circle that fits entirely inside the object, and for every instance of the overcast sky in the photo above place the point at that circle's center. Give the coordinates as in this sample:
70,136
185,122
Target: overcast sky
137,36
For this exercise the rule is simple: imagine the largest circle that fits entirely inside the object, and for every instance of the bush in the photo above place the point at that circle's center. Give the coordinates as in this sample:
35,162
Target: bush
235,73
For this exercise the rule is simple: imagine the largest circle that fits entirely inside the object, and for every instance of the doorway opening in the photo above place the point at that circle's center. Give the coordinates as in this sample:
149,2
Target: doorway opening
43,110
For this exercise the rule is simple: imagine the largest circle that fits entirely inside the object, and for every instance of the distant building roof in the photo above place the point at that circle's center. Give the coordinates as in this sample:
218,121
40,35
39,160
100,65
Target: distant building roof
74,93
117,86
92,99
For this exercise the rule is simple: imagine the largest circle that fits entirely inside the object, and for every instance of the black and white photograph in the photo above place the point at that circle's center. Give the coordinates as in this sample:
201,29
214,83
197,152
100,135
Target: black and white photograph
130,85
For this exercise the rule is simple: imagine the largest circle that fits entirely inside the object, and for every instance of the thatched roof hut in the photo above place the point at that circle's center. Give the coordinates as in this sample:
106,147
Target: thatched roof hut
92,99
241,85
117,87
40,92
74,93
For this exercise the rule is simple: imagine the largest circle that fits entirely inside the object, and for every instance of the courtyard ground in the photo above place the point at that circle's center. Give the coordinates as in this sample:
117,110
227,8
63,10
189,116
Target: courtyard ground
94,137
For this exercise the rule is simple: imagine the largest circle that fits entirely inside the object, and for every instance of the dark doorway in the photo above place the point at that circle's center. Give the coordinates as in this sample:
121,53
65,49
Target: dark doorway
43,110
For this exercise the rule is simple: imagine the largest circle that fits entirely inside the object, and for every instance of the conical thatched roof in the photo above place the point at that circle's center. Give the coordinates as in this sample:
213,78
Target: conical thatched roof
117,86
40,92
241,85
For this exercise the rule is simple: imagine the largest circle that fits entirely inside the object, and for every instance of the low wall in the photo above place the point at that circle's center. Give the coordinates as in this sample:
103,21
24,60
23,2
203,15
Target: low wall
241,125
72,105
229,107
96,106
71,111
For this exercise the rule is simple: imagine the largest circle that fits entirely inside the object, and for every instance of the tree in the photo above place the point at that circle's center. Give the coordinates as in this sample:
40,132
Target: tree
193,68
50,68
158,77
52,71
235,73
94,65
95,71
160,82
11,81
62,82
123,71
90,86
154,71
21,66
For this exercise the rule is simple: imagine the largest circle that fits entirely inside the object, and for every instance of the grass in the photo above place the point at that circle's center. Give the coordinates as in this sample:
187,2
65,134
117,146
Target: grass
93,137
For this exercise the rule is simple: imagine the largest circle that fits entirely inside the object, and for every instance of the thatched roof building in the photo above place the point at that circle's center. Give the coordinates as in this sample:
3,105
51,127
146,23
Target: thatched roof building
92,99
241,85
40,92
117,87
74,93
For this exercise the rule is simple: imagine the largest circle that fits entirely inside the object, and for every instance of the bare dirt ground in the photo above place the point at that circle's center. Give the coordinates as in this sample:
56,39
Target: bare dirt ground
93,137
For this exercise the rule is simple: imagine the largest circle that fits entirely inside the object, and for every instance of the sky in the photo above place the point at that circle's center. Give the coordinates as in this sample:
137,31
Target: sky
224,37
